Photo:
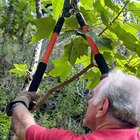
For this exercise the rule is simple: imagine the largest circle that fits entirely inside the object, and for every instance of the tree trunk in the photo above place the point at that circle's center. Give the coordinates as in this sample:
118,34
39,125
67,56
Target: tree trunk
33,66
10,18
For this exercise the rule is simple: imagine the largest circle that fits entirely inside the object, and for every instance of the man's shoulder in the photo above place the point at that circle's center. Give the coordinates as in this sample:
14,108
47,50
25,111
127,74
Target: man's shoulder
115,134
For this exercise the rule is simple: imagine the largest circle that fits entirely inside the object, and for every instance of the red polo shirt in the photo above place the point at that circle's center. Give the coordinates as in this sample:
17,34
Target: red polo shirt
36,132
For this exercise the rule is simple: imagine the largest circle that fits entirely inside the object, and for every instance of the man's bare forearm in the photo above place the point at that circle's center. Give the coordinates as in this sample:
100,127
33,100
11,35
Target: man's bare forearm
22,119
19,130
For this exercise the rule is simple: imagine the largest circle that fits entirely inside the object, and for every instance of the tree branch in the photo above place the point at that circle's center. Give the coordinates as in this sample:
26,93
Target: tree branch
38,9
91,57
36,53
50,91
114,19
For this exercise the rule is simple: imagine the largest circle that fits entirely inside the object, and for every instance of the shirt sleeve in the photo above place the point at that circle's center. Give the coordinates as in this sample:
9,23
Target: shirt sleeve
36,132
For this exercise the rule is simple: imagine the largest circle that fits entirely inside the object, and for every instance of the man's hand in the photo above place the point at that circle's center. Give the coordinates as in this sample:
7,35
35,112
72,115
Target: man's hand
27,98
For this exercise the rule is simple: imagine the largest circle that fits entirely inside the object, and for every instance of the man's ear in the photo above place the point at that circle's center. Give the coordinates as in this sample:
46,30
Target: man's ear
102,107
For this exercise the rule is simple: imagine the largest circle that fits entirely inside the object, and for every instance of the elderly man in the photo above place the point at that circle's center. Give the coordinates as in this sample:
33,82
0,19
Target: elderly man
112,113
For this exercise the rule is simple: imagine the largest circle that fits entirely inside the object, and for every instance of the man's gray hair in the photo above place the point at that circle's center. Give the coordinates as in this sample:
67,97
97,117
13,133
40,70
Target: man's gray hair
123,93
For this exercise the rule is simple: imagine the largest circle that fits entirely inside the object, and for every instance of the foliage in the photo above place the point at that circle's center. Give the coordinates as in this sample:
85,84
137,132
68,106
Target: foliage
65,108
110,33
4,125
20,69
43,30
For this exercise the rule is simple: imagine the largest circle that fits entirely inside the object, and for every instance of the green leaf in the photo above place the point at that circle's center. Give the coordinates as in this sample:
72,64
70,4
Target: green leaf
111,5
105,19
138,71
113,37
128,39
106,42
88,4
108,56
132,69
93,78
92,84
20,69
99,7
138,49
89,75
134,7
131,28
67,33
84,60
57,8
21,66
45,28
70,26
75,49
62,68
119,56
89,16
134,60
120,63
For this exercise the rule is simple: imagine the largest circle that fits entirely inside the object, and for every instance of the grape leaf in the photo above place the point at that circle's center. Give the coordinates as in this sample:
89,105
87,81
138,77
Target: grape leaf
99,7
75,49
108,56
119,56
62,69
106,42
93,78
84,60
132,69
112,6
87,4
138,71
134,7
57,8
45,28
20,69
129,40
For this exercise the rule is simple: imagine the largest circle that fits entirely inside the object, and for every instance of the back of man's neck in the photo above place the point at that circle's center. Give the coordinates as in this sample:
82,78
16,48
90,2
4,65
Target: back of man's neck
112,123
